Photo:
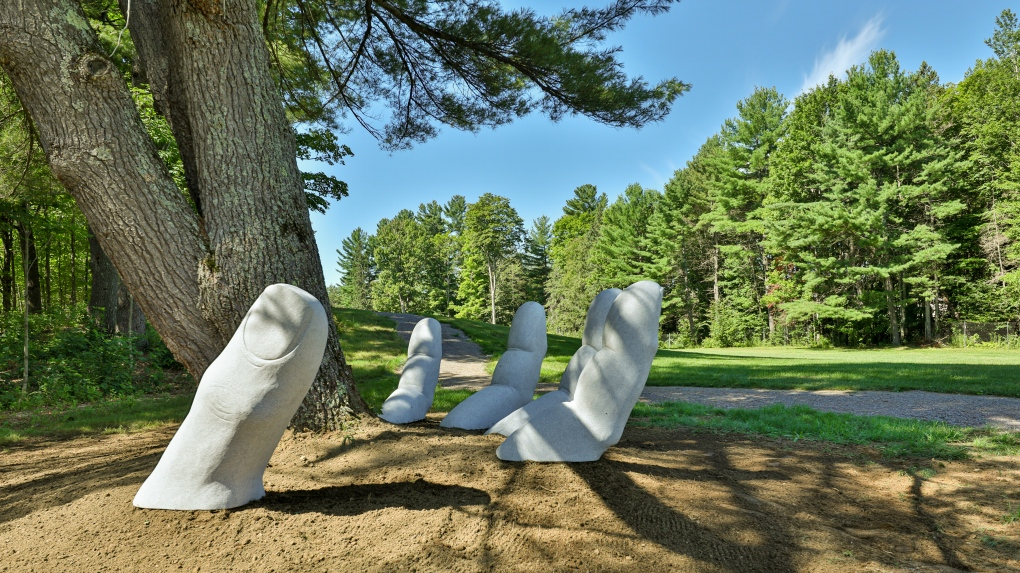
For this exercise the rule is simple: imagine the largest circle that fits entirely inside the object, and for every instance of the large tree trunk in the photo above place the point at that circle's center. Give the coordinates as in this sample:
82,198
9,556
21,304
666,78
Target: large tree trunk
99,150
928,333
49,275
130,316
74,263
194,276
715,275
492,293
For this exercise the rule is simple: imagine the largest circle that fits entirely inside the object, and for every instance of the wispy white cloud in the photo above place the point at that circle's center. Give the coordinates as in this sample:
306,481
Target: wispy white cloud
846,54
658,181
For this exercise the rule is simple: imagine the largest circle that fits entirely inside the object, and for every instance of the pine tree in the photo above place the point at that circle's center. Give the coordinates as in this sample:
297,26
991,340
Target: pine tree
619,255
680,254
535,259
356,270
867,230
572,285
736,196
983,109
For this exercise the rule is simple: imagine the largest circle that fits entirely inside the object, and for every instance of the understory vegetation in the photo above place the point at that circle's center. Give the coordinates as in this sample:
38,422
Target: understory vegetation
70,359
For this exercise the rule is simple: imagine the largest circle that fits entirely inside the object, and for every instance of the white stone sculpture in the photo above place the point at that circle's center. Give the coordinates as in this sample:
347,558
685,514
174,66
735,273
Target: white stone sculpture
244,402
515,377
591,342
581,429
413,396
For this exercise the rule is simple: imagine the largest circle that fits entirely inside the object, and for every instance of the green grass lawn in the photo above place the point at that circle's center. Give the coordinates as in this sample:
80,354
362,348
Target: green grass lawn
121,415
374,351
992,372
950,370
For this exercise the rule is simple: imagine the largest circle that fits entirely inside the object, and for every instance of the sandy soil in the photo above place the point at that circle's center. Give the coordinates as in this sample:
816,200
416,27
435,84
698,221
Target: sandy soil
421,498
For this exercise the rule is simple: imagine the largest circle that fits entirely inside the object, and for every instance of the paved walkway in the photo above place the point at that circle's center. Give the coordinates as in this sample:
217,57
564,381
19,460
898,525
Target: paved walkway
463,367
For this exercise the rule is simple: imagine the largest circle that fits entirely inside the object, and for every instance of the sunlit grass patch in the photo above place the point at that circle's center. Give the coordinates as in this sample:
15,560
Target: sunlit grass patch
117,416
894,437
949,370
375,351
996,443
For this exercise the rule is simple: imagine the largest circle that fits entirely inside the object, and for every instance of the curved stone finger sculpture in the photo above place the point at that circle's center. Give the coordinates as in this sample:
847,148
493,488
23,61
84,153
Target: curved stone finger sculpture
413,396
591,342
609,385
514,379
244,402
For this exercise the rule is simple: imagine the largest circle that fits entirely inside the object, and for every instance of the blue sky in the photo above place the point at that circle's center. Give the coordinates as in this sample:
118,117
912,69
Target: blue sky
724,48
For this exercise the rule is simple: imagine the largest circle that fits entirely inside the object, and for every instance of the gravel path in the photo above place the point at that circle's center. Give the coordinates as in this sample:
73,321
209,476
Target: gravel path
463,364
463,367
955,409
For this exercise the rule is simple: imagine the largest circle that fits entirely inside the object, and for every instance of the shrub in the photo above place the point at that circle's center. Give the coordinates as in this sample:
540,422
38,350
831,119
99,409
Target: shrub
72,361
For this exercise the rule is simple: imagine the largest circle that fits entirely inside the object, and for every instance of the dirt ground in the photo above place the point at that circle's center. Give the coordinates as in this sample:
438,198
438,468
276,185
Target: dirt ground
422,498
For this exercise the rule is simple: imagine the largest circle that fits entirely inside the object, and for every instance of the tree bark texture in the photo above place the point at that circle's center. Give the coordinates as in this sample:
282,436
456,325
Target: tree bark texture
194,274
98,148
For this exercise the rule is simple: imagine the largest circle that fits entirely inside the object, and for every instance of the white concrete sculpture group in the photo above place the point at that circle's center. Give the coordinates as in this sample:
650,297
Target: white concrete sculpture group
251,391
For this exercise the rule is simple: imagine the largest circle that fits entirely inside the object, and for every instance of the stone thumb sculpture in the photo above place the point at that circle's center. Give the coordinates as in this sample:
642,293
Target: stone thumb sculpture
514,379
413,396
591,342
609,385
244,402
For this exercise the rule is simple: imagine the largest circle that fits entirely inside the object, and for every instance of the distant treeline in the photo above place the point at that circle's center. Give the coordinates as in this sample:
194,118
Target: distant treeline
876,208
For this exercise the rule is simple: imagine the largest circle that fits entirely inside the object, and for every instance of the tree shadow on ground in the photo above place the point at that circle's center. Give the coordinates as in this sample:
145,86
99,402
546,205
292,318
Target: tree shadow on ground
655,521
73,469
354,500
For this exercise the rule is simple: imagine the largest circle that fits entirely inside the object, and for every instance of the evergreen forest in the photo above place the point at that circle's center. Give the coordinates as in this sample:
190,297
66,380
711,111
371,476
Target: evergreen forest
881,208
